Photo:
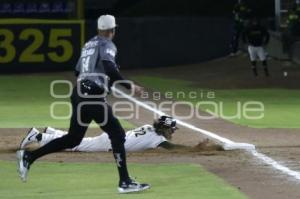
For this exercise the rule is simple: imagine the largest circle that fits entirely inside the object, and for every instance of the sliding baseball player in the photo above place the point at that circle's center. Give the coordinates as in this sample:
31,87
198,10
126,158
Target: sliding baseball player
139,139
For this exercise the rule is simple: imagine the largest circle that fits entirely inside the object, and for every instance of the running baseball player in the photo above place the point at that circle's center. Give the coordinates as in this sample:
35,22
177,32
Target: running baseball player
257,36
139,139
96,72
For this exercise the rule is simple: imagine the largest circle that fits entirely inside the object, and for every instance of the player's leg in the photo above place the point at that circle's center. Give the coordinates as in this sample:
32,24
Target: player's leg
252,55
254,68
234,41
111,125
265,65
50,130
32,136
45,138
51,134
263,58
94,144
238,36
89,144
117,136
75,135
70,140
104,117
73,138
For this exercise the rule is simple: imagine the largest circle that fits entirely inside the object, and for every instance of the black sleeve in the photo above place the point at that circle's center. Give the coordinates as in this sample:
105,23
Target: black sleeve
113,73
170,146
167,145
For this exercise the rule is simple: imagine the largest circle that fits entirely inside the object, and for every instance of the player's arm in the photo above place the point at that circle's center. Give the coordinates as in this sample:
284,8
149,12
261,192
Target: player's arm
112,70
108,57
170,146
77,70
114,74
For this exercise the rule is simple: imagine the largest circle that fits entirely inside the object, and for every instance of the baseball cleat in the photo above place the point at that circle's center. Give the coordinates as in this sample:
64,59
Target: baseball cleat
22,164
132,186
30,138
49,130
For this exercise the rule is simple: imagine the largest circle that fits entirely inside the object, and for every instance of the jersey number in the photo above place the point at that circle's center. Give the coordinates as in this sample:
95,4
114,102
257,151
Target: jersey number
140,132
85,63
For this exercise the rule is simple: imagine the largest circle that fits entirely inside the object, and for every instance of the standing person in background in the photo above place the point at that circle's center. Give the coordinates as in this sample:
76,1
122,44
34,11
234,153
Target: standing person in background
292,33
257,36
293,21
241,13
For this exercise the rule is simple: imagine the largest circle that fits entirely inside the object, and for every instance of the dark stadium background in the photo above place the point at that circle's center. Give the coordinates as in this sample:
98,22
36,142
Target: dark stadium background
151,33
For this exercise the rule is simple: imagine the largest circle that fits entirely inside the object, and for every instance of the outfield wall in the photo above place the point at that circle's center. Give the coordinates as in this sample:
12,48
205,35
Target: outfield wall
296,52
156,42
33,45
275,48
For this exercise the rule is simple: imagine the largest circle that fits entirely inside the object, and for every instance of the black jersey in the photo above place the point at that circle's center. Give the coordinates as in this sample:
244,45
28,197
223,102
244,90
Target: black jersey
256,35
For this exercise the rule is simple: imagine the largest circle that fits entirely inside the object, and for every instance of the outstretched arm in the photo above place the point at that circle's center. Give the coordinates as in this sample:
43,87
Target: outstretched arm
170,146
114,74
205,145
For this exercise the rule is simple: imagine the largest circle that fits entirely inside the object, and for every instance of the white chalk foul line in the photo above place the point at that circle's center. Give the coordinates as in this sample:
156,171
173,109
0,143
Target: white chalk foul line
226,143
267,160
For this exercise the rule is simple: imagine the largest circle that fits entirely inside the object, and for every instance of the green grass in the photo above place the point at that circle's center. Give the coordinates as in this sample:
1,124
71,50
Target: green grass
282,108
25,102
92,180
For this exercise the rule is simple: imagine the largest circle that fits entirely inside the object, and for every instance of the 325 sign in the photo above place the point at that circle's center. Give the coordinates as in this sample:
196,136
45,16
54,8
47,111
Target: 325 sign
39,44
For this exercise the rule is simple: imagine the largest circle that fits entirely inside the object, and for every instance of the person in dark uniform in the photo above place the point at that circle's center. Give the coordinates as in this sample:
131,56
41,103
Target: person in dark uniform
257,36
292,33
241,13
96,72
293,21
